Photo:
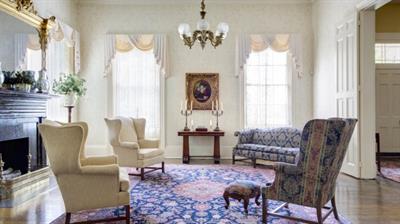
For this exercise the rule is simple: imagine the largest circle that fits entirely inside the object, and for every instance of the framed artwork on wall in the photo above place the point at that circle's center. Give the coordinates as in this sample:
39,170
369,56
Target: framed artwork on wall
202,89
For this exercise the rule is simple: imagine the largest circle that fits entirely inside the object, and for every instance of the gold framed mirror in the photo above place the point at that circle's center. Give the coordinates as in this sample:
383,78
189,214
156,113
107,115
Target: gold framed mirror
24,11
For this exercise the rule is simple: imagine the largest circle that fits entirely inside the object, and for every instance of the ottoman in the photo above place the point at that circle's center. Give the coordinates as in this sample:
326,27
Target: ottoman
242,190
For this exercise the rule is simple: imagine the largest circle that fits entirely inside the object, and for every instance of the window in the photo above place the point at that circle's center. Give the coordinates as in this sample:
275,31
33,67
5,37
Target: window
136,88
267,98
387,53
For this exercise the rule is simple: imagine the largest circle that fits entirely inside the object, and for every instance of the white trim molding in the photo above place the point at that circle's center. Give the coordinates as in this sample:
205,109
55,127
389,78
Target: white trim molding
181,2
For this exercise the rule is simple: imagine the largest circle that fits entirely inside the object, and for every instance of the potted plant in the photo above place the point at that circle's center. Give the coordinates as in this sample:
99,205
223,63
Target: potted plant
24,80
10,80
71,87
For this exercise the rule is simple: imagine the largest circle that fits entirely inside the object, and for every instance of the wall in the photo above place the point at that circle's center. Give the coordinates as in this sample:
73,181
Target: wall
97,20
387,18
64,10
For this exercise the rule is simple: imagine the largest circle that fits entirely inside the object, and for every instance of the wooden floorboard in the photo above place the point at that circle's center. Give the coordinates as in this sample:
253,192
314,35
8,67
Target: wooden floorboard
361,201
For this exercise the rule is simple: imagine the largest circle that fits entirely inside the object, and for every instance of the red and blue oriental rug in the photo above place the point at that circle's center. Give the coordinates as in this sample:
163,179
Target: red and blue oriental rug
193,194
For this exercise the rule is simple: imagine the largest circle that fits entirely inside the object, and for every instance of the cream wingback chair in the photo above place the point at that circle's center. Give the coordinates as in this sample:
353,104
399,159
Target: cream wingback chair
127,137
85,182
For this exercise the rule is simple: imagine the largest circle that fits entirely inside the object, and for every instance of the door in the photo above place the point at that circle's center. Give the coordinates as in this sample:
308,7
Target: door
388,108
347,87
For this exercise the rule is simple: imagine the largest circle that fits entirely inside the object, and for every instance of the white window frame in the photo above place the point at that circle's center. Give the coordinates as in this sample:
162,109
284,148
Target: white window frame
111,97
242,94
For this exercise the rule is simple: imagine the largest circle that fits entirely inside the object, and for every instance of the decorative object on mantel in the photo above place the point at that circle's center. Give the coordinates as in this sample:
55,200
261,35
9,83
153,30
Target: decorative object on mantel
217,111
202,89
42,84
18,80
71,87
185,112
203,34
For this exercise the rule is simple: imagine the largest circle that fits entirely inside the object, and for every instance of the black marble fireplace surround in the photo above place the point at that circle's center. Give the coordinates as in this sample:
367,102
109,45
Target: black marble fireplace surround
20,113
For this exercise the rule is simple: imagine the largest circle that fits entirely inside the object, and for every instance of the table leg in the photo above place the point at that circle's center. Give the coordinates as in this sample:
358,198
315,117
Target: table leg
217,155
186,156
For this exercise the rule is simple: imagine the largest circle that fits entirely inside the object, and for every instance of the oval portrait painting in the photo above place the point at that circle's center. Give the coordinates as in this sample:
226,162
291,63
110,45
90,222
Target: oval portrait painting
202,91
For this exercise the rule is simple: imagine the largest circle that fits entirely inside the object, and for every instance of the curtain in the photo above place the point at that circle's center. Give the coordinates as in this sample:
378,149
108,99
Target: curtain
58,63
145,42
278,42
136,88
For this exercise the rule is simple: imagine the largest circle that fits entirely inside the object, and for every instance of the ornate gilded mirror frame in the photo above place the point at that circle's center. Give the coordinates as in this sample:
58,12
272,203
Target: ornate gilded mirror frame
24,10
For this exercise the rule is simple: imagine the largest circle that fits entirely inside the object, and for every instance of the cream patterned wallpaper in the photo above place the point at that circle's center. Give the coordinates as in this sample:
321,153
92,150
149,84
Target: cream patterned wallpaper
97,20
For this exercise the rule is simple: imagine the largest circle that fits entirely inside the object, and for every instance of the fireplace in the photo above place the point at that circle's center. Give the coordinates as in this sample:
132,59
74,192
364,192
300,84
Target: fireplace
15,156
21,147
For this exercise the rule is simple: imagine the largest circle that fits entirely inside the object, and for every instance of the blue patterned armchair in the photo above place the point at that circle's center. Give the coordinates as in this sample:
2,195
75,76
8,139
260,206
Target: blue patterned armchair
311,182
277,144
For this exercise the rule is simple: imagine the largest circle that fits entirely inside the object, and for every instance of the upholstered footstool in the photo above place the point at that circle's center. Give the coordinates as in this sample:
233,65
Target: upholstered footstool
242,190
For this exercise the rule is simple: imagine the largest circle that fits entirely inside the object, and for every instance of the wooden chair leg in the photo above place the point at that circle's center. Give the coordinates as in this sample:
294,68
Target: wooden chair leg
67,218
254,162
142,173
128,214
233,159
333,202
264,209
162,167
319,215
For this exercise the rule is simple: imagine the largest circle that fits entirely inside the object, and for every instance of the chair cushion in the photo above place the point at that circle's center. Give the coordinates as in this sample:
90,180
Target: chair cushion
147,153
123,180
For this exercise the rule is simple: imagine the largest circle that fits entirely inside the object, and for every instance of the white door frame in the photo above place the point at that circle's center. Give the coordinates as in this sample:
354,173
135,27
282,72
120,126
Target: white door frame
366,12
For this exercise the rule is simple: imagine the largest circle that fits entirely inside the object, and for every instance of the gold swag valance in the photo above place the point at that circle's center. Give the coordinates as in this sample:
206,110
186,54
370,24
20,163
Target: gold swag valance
143,42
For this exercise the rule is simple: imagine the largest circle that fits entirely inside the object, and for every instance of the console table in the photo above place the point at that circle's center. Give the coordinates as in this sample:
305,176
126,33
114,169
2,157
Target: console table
185,147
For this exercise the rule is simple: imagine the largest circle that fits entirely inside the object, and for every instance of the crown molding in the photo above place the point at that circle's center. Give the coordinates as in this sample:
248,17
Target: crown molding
188,2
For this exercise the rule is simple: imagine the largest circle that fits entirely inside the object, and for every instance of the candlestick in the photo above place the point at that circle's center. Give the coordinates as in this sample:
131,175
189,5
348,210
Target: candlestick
186,113
217,113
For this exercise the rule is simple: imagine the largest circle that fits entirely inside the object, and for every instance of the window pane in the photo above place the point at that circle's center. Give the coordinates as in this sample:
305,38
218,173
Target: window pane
387,53
267,90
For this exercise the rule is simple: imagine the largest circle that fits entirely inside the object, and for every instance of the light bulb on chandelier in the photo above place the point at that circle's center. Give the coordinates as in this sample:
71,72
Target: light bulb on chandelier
203,34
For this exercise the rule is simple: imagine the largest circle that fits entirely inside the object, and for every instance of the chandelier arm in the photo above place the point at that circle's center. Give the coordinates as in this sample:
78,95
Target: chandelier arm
203,10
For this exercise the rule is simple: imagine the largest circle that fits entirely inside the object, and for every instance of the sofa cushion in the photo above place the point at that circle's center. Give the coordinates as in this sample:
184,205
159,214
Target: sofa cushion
271,153
282,137
146,153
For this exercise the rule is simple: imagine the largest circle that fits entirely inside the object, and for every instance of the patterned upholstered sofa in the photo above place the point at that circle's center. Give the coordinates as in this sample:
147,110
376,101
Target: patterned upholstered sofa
277,144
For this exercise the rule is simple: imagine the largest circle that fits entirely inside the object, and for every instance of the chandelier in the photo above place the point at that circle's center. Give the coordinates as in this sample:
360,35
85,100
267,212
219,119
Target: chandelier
203,34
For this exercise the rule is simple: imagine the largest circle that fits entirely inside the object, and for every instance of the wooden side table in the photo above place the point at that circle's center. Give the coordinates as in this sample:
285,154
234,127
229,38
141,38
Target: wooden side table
185,147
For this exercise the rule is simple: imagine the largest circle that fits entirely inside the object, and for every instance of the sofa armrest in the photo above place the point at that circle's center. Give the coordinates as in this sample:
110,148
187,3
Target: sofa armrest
99,160
245,136
149,143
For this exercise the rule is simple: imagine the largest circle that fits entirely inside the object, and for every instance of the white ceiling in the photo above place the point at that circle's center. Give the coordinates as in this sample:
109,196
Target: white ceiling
158,2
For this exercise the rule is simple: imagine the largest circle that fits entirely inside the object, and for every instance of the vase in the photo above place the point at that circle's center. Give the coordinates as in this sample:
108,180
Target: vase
42,84
69,100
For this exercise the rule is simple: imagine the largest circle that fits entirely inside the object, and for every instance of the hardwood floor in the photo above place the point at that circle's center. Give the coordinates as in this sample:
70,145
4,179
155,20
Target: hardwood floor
361,201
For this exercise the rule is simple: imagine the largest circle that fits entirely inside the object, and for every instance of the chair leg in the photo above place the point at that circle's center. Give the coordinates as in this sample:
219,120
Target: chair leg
233,159
128,214
67,218
142,173
254,162
319,215
333,202
264,208
162,167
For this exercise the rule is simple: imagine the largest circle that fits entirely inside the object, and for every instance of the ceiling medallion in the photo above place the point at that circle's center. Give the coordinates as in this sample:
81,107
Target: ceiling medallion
203,34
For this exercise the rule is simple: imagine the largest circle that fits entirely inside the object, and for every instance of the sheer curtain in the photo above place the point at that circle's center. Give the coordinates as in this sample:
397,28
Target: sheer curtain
267,90
58,63
136,88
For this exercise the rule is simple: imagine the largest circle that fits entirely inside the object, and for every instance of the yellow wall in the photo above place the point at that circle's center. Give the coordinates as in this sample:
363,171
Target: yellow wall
388,19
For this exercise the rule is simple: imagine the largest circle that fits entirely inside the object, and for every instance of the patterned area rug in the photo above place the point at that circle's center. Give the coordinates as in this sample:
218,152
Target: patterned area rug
391,169
193,194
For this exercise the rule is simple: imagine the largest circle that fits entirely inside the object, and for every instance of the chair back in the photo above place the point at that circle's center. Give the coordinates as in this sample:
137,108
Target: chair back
64,145
281,137
323,147
128,131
